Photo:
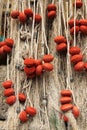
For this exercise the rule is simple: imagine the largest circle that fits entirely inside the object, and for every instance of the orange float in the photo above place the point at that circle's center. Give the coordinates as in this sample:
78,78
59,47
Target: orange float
76,58
59,39
48,58
22,17
66,107
21,97
47,66
23,116
7,84
66,93
8,92
74,50
51,7
29,61
61,47
15,14
71,22
51,15
29,70
11,100
64,100
31,111
75,111
28,12
79,66
39,70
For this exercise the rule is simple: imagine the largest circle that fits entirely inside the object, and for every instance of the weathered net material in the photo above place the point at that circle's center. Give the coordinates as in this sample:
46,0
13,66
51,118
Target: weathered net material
50,84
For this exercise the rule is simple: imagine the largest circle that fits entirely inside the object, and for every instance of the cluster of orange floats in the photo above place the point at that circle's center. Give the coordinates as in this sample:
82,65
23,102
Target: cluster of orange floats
28,112
34,67
6,46
61,43
51,11
67,104
80,26
9,93
77,59
76,56
28,14
25,16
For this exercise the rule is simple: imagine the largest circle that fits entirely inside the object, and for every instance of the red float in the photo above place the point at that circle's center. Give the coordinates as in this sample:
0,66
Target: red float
47,66
31,111
15,14
66,107
66,93
23,116
11,100
8,92
47,58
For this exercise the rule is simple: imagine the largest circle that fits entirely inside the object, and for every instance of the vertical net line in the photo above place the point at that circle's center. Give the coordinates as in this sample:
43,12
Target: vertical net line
75,24
7,9
32,36
68,55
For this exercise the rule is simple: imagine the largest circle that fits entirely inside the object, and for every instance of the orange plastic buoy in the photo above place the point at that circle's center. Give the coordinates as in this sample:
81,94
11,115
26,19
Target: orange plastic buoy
48,58
22,17
2,43
29,61
66,93
38,62
29,70
8,92
75,111
59,39
9,42
22,97
31,111
1,50
79,66
11,100
78,3
61,47
51,15
74,50
66,107
15,14
38,18
39,70
47,66
71,22
23,116
7,84
51,7
83,22
7,49
76,58
64,100
83,29
28,12
76,30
